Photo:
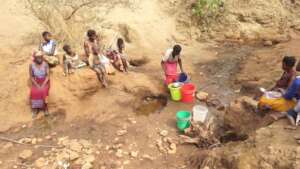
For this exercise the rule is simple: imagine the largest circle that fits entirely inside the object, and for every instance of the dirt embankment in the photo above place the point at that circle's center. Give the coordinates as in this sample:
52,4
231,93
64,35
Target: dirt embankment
148,28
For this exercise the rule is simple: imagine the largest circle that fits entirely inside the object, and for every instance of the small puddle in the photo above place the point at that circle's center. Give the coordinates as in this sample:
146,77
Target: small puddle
151,104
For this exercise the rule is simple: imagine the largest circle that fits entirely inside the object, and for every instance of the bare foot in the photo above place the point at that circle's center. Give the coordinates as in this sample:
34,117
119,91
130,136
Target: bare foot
297,137
290,127
277,116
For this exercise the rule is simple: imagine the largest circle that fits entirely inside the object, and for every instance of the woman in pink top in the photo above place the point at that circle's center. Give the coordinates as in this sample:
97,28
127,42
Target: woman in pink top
169,64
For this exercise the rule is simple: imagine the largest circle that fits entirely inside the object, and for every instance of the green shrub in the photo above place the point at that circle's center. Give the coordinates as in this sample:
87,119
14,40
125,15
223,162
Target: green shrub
207,8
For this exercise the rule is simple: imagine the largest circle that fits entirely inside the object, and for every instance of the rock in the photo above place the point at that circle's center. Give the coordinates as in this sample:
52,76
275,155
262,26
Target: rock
39,140
85,143
1,162
268,43
126,162
7,146
202,96
25,140
121,132
172,149
54,134
75,146
48,137
15,166
87,166
25,154
119,153
40,163
34,141
147,157
164,133
73,155
134,154
89,159
132,120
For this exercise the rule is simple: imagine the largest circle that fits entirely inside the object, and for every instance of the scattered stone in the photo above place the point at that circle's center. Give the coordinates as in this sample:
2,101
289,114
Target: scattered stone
126,162
268,43
7,146
164,133
132,120
15,166
75,146
89,159
54,134
134,154
73,155
172,149
119,153
97,152
24,126
87,166
48,137
147,157
34,141
39,163
202,96
25,154
25,140
121,132
39,140
1,162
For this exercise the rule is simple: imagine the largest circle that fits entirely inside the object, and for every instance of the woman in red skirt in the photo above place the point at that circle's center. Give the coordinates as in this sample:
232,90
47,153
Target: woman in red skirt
39,75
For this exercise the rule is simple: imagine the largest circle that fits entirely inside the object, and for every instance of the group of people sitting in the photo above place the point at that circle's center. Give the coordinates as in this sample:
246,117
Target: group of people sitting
102,62
284,97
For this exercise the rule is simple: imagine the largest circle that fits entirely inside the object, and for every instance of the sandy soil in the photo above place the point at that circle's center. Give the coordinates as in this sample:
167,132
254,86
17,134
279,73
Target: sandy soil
80,108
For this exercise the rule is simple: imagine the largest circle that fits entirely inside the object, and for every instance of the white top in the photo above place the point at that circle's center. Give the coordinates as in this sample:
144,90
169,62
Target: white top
103,59
168,56
48,47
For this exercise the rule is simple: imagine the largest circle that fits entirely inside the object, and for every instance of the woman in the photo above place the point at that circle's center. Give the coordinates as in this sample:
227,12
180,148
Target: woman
39,75
169,64
118,57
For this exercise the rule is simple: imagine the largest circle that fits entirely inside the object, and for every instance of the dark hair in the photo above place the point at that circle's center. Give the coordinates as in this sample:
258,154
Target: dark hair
289,61
91,32
176,50
120,42
45,33
66,47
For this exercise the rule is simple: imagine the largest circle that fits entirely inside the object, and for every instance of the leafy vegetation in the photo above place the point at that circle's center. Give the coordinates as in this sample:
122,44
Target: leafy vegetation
208,8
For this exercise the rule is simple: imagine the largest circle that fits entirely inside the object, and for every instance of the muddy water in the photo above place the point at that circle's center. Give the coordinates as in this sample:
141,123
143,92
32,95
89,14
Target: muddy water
151,104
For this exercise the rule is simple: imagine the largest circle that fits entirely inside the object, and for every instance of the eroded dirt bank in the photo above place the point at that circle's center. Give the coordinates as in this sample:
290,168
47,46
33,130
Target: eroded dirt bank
130,124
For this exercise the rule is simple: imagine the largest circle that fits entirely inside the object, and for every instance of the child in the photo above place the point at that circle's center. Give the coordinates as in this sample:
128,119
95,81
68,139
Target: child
71,60
48,47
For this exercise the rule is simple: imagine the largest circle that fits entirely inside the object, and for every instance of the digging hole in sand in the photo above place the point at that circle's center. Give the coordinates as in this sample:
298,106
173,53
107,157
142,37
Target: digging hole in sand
150,103
139,62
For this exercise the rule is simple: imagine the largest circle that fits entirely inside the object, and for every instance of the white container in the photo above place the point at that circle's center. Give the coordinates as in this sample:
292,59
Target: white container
199,113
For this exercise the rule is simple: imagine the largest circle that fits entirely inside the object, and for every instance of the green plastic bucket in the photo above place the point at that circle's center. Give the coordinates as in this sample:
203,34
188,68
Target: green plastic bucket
175,91
183,120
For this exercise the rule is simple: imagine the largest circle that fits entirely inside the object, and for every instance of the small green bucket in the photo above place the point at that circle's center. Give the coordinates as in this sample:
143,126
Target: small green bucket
175,91
183,120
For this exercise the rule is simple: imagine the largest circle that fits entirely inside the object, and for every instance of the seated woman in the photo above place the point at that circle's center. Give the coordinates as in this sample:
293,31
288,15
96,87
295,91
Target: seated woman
71,60
277,102
119,59
39,75
48,47
169,63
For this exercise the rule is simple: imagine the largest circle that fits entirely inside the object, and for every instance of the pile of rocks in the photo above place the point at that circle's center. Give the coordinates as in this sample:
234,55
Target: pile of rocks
76,152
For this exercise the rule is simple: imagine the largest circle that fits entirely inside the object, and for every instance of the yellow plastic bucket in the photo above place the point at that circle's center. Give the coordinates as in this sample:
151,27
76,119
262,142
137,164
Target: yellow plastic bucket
175,91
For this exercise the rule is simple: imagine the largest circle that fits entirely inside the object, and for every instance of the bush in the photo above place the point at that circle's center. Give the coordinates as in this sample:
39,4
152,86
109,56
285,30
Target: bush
208,8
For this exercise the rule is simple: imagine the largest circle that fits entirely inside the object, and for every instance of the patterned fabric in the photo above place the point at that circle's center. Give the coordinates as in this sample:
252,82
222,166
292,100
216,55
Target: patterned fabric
38,95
